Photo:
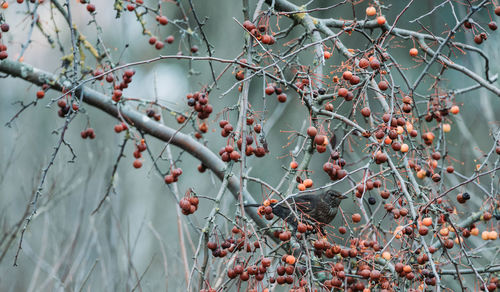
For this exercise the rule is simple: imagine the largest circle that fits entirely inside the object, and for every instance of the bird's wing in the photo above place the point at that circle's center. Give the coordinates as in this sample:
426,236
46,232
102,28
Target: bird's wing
303,203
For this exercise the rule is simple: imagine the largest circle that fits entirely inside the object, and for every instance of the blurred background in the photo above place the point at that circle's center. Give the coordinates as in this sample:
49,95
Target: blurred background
135,235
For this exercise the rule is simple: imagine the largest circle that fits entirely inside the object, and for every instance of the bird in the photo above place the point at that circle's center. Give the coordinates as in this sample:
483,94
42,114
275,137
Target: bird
317,209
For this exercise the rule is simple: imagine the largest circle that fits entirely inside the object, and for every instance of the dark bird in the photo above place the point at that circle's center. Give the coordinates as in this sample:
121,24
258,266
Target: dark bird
312,208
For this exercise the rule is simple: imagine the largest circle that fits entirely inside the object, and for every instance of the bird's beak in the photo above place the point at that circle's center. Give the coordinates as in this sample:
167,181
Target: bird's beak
343,197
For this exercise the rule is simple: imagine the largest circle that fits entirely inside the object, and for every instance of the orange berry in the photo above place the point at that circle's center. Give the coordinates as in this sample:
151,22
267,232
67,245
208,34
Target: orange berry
387,141
421,174
493,235
444,231
40,94
381,20
386,255
294,165
446,128
397,232
404,147
356,217
301,187
371,11
290,260
485,235
474,231
455,109
308,183
413,52
409,126
407,269
427,221
327,55
400,130
5,5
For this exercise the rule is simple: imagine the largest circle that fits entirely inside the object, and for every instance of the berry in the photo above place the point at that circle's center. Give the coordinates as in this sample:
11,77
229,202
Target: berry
381,20
478,39
413,52
371,11
366,112
137,163
374,64
312,131
493,25
347,75
40,94
159,45
382,85
163,20
90,8
363,63
4,27
269,90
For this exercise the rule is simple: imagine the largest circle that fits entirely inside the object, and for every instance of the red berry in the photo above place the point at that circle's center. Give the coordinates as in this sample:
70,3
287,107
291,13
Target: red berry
4,27
493,25
98,72
282,97
159,45
363,63
478,39
61,103
382,85
269,90
163,20
342,92
137,163
118,128
312,131
90,8
347,75
40,94
169,179
366,112
374,64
